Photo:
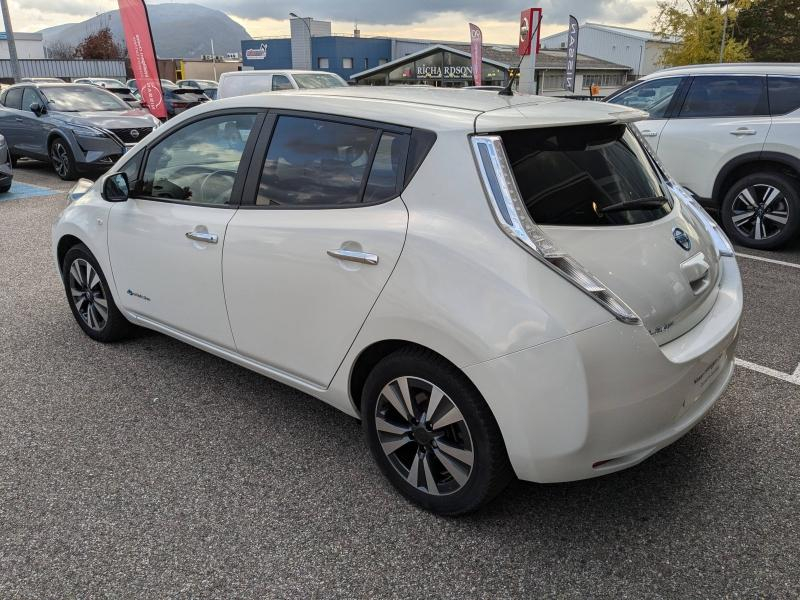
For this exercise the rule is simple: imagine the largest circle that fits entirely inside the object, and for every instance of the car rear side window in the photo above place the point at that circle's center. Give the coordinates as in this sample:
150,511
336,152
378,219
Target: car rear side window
13,98
197,163
784,94
726,96
316,163
280,83
384,177
586,175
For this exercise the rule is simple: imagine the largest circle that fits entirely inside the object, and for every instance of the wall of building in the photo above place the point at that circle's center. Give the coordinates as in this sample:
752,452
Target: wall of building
653,54
26,48
301,48
365,53
65,69
267,54
607,45
204,69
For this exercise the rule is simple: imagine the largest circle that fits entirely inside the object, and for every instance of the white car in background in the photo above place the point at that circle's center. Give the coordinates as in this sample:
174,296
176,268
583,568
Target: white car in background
729,133
242,83
496,285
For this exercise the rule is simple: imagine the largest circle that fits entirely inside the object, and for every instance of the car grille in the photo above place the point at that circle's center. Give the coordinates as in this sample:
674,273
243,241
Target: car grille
129,137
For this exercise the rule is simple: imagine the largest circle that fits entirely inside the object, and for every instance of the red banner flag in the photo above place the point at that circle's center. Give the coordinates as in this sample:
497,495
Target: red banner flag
142,53
476,48
529,22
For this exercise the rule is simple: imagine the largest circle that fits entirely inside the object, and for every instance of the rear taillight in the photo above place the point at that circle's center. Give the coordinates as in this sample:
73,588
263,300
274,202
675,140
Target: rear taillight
512,216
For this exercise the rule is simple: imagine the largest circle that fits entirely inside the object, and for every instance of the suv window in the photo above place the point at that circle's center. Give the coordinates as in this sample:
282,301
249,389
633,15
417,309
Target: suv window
586,175
726,96
315,163
13,98
281,82
198,162
29,96
784,94
652,96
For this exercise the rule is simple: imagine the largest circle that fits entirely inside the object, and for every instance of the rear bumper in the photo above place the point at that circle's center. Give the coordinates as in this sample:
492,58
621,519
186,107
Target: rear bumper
608,397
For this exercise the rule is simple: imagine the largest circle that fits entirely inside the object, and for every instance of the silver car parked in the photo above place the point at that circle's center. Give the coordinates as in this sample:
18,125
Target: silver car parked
79,129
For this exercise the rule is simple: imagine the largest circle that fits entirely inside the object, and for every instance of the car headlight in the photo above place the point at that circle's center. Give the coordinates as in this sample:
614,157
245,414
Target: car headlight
86,131
721,241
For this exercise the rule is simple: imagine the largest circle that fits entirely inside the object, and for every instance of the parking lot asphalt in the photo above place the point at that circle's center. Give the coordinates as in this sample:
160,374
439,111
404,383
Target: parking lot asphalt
150,469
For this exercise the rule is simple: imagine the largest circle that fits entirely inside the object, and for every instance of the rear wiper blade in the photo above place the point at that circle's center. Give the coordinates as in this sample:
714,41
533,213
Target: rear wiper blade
639,203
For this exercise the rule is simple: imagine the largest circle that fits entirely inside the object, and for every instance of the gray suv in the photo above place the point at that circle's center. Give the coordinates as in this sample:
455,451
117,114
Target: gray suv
79,129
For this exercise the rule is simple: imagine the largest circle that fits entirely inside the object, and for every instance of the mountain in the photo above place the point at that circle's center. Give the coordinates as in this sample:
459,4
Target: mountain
179,30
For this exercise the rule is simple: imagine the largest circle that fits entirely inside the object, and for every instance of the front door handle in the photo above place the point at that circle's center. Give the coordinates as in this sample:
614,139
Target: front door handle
354,256
19,119
647,133
743,131
203,236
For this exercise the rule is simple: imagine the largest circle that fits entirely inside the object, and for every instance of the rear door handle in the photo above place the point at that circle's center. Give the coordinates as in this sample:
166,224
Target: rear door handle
203,236
354,256
647,133
743,131
19,119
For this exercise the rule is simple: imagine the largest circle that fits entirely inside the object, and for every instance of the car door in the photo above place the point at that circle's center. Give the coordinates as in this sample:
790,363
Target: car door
314,243
166,241
722,116
35,128
656,97
10,118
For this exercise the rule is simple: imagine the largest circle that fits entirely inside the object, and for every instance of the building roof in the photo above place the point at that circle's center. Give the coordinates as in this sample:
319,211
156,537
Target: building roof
639,34
503,56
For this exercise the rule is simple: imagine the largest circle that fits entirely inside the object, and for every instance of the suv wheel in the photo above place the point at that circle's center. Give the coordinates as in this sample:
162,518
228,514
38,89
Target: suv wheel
432,434
90,299
762,211
62,160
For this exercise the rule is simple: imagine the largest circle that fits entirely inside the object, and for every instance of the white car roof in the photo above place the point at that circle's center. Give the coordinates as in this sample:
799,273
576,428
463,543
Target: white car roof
437,109
270,72
729,69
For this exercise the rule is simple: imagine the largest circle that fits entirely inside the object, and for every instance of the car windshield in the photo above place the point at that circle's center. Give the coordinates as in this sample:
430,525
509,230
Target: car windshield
315,81
79,98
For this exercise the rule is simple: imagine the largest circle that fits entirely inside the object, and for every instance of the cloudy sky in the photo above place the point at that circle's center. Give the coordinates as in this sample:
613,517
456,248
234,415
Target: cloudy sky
434,19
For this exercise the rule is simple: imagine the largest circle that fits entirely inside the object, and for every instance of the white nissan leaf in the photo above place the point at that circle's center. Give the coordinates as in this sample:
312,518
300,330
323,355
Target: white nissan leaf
497,286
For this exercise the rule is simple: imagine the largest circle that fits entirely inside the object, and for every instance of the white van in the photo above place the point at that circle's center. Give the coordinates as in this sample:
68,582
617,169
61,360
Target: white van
243,83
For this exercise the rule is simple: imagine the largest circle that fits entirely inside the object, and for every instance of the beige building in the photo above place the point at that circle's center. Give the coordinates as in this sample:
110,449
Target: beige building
207,69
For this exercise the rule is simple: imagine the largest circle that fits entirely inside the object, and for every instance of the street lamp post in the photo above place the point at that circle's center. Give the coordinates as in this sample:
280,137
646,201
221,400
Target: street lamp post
12,46
310,41
726,4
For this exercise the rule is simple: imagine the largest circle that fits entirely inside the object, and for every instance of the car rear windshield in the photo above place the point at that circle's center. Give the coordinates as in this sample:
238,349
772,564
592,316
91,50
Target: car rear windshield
313,81
586,175
81,98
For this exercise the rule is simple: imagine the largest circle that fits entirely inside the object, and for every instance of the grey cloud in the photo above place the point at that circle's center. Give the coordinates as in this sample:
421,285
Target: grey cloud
411,11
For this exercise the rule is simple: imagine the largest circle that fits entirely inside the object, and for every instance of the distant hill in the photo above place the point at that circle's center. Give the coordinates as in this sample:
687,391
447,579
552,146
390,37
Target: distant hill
179,30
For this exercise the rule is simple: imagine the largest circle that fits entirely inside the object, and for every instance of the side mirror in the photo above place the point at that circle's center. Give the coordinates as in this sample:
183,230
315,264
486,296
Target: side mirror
37,109
115,188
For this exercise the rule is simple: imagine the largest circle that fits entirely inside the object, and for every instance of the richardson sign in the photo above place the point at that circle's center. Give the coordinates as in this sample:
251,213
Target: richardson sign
259,53
133,14
448,72
529,30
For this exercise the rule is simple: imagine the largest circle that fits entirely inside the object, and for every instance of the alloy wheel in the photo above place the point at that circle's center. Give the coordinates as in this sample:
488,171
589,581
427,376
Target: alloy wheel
424,435
88,297
60,158
760,211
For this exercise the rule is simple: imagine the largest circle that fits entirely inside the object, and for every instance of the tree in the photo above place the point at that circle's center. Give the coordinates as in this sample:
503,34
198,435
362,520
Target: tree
100,45
772,30
699,24
61,50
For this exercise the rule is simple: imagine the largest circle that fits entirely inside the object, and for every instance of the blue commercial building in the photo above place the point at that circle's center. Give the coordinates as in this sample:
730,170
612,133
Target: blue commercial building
343,55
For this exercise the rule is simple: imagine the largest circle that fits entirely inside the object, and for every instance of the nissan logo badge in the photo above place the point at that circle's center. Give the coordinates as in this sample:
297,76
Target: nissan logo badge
134,133
682,239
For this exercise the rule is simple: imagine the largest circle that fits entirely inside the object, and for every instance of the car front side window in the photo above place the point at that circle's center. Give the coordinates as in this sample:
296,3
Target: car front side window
198,163
29,96
651,96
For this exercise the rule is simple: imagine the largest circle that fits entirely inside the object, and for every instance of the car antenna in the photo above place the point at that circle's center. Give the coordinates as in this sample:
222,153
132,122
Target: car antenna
506,91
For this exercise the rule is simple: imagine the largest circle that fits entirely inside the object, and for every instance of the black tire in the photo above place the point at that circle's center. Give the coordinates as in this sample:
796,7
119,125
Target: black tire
490,470
13,159
62,160
752,222
114,327
5,188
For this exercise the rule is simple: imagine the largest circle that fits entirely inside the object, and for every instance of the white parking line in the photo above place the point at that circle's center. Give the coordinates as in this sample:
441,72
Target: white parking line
769,260
793,378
